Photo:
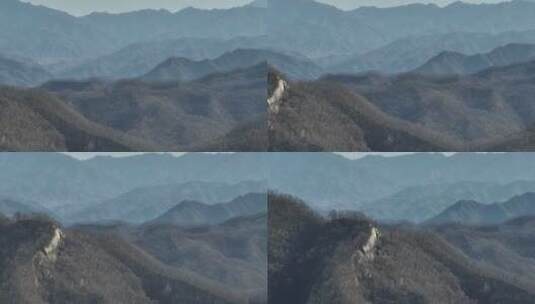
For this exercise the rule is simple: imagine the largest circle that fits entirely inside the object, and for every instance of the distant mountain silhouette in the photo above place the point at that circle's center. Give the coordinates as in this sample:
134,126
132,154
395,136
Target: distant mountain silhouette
191,213
99,34
137,59
419,203
67,186
320,30
183,69
409,53
150,203
471,212
455,63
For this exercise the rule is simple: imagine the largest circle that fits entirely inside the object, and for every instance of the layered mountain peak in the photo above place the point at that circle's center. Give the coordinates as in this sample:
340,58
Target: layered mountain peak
466,204
449,62
474,213
194,213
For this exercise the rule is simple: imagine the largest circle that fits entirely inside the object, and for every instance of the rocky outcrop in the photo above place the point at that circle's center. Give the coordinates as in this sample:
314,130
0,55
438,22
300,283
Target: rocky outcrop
51,249
368,249
275,100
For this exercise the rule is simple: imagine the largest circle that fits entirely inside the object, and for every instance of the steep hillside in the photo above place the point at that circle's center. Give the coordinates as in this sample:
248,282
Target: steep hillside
40,261
32,120
474,213
507,248
487,110
324,116
448,63
233,253
248,137
173,116
349,259
191,213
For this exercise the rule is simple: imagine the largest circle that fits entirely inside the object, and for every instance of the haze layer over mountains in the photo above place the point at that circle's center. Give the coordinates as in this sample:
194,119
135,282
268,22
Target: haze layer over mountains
414,77
449,229
141,231
408,78
147,80
414,187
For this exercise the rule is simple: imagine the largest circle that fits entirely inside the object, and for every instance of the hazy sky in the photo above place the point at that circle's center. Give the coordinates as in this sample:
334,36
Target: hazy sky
84,7
351,4
88,155
351,155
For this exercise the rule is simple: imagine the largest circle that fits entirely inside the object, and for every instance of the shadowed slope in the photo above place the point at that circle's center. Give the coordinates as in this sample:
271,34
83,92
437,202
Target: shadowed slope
349,259
34,120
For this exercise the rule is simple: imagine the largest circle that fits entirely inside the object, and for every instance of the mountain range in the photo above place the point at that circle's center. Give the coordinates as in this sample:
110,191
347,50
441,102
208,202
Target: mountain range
320,30
506,247
38,32
33,120
132,115
139,58
191,213
183,69
407,54
326,116
450,63
40,259
429,182
151,203
348,258
487,110
420,203
474,213
110,49
141,81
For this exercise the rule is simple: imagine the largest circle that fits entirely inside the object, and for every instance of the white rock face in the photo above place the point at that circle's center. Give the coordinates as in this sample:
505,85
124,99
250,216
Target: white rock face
51,249
368,248
275,100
